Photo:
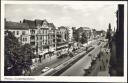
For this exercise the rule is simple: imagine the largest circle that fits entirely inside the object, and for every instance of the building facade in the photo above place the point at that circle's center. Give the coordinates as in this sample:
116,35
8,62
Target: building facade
38,33
42,35
86,30
70,31
64,32
20,30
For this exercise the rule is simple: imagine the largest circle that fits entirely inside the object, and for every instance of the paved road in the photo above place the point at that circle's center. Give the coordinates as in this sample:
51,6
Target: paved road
77,68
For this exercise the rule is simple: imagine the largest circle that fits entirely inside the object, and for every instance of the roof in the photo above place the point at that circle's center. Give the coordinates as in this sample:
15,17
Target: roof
63,27
38,22
15,25
32,24
28,24
51,25
81,29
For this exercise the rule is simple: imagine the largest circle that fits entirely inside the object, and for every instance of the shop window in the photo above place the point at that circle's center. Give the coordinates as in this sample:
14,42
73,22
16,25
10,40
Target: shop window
13,32
17,32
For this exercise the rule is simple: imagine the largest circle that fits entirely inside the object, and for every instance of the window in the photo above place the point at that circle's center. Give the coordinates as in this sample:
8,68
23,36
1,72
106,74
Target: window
32,37
37,37
43,41
17,32
44,32
25,39
23,32
13,32
65,36
32,31
39,31
40,37
32,43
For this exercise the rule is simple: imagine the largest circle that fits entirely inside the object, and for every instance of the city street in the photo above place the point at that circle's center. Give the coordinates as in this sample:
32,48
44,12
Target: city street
80,65
83,63
54,62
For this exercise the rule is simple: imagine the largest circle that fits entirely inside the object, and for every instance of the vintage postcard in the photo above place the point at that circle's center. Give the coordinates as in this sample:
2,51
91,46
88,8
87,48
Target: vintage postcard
70,41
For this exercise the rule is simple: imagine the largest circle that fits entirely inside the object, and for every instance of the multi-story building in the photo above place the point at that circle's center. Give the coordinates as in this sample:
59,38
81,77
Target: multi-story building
42,35
52,36
64,33
39,33
20,30
62,37
85,30
75,34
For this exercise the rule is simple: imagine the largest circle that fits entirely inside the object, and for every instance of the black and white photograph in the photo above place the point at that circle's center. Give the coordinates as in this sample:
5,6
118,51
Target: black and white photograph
63,39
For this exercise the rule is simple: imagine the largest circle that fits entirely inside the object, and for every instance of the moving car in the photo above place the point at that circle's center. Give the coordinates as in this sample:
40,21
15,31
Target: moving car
45,69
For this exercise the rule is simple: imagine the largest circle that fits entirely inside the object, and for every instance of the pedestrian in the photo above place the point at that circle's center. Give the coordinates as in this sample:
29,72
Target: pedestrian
40,58
103,64
106,60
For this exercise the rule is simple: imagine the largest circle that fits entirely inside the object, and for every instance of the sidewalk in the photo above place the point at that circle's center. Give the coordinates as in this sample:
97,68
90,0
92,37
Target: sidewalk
51,63
44,61
105,71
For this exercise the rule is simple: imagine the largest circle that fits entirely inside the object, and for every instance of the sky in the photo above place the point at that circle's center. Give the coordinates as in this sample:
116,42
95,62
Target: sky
72,15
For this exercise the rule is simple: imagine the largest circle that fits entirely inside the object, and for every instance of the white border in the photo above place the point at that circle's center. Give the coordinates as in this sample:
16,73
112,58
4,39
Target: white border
64,78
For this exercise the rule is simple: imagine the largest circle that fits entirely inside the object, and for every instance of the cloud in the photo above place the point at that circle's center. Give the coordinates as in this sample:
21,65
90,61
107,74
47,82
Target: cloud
94,16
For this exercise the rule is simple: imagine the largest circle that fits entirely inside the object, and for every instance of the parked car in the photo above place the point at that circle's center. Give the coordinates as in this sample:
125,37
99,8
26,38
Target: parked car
32,67
45,69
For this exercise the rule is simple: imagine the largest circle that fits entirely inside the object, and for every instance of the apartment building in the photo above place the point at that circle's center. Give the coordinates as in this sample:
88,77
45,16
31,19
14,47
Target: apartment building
20,30
85,30
42,35
62,37
64,32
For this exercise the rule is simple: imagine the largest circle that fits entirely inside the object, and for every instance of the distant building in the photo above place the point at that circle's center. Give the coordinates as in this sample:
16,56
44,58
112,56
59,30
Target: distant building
62,38
85,30
101,33
70,30
74,34
94,33
64,32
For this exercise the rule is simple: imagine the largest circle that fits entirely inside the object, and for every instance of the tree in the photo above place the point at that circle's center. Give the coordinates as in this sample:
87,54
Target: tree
83,38
75,35
108,35
17,57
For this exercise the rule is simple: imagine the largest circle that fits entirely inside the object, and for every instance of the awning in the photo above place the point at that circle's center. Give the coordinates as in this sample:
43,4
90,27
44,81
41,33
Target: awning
62,48
50,52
